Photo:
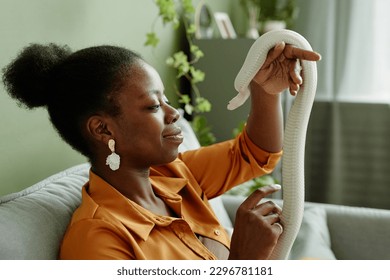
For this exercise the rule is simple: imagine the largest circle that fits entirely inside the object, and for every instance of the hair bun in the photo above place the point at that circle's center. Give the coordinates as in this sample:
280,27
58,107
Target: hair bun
27,77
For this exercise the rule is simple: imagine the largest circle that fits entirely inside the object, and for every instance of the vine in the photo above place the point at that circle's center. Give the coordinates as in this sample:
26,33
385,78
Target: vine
175,12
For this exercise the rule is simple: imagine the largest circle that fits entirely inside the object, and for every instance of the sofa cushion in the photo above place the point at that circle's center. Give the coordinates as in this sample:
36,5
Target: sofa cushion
313,240
34,220
190,141
221,213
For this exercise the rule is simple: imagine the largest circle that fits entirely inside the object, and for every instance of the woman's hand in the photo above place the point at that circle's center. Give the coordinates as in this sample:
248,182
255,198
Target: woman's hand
282,69
257,227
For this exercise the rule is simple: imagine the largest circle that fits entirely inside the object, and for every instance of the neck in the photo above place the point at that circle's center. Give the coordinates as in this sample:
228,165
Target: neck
135,185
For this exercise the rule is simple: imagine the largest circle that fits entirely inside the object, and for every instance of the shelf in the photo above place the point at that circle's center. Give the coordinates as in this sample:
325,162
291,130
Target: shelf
222,61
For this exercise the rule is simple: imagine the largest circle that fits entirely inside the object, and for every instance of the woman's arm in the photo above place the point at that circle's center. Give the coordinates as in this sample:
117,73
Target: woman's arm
257,227
265,121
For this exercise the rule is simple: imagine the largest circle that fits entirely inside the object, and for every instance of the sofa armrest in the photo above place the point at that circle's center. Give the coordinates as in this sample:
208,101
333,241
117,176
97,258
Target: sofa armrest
359,233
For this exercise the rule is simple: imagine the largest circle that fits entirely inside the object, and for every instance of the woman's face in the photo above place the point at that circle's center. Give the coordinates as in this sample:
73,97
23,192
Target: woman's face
145,131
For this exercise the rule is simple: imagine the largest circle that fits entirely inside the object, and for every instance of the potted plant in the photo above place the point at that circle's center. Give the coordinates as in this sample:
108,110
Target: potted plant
271,14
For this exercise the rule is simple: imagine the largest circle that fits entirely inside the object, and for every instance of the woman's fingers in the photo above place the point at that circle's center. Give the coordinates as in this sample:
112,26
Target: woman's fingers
295,72
275,53
292,52
270,213
257,227
283,51
282,70
252,201
295,76
267,208
279,227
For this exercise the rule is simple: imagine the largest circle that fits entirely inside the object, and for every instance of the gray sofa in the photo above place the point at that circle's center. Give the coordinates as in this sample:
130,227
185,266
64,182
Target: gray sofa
33,221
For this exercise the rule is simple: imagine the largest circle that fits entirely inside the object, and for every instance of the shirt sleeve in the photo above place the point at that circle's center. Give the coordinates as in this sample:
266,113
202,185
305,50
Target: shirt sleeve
221,166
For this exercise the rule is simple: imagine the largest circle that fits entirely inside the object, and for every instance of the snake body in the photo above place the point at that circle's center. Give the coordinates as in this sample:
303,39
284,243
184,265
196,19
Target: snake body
295,130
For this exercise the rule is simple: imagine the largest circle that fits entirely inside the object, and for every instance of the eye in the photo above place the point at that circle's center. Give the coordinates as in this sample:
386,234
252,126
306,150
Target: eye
154,107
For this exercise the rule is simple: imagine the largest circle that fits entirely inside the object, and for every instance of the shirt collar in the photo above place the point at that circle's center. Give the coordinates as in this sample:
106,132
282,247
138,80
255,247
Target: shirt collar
141,221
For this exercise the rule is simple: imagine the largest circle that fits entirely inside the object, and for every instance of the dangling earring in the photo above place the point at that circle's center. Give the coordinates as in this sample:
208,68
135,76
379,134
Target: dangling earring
113,160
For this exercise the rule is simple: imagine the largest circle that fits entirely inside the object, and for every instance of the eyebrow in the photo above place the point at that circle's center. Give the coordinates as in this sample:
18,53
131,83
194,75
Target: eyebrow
158,93
148,93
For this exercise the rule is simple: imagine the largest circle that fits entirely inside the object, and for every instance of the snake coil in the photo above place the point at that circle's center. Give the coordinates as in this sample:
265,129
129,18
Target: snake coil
295,130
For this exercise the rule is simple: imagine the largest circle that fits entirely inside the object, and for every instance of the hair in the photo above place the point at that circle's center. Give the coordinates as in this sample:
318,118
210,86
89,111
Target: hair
72,86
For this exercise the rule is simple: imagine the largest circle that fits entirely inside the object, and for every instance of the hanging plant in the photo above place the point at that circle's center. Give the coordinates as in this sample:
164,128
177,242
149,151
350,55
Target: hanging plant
176,12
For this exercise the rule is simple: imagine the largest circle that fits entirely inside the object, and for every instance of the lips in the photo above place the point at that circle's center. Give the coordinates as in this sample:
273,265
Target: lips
174,134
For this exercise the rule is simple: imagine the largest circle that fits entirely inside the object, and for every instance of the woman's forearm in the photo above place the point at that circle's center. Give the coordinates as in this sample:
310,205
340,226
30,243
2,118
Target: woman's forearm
265,121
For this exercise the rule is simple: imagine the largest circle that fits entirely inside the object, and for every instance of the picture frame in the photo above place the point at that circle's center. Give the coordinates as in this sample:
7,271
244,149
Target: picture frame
225,25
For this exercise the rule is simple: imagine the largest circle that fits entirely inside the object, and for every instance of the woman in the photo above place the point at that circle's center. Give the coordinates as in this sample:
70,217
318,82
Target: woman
143,199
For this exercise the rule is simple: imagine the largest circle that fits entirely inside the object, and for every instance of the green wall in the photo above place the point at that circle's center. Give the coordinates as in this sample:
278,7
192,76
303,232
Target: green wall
30,149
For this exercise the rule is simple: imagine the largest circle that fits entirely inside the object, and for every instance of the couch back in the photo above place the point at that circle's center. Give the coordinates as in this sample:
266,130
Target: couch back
33,221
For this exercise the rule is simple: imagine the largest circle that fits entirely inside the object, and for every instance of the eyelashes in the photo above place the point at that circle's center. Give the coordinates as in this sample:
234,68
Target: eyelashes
158,106
154,107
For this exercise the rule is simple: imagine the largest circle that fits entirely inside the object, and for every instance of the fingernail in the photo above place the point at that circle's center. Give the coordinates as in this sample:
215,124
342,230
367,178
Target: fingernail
276,186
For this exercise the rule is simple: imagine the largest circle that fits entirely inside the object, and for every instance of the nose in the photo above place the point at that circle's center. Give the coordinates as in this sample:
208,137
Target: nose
171,114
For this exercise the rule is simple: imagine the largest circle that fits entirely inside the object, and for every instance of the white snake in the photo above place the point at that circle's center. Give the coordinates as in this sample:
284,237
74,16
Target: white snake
295,130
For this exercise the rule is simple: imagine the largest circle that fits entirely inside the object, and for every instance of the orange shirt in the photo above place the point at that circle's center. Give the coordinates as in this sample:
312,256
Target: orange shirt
107,225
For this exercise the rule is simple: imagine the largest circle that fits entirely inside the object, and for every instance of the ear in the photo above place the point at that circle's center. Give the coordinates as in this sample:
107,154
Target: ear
99,129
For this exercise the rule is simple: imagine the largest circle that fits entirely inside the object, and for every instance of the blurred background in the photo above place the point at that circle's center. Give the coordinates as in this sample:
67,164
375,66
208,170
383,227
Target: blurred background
348,140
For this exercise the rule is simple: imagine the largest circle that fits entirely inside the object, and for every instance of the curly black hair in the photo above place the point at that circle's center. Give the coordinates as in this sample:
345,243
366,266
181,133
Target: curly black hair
72,86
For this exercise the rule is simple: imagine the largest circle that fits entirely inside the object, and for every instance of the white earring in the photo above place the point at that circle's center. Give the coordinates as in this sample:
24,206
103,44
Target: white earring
113,160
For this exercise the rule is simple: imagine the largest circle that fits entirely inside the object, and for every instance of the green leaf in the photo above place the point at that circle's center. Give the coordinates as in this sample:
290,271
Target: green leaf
191,29
179,61
151,39
167,11
239,128
189,109
250,186
170,61
180,58
184,99
188,7
197,75
202,105
196,52
203,130
264,180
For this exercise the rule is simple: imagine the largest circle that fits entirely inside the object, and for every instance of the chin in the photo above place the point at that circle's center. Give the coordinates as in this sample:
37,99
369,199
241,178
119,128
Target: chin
167,159
173,157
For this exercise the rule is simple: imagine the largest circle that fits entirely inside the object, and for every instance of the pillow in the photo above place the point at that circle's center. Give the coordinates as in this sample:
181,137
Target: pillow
313,239
190,141
221,213
33,221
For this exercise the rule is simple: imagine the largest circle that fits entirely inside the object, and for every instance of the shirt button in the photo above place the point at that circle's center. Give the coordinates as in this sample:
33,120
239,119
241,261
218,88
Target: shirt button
217,232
